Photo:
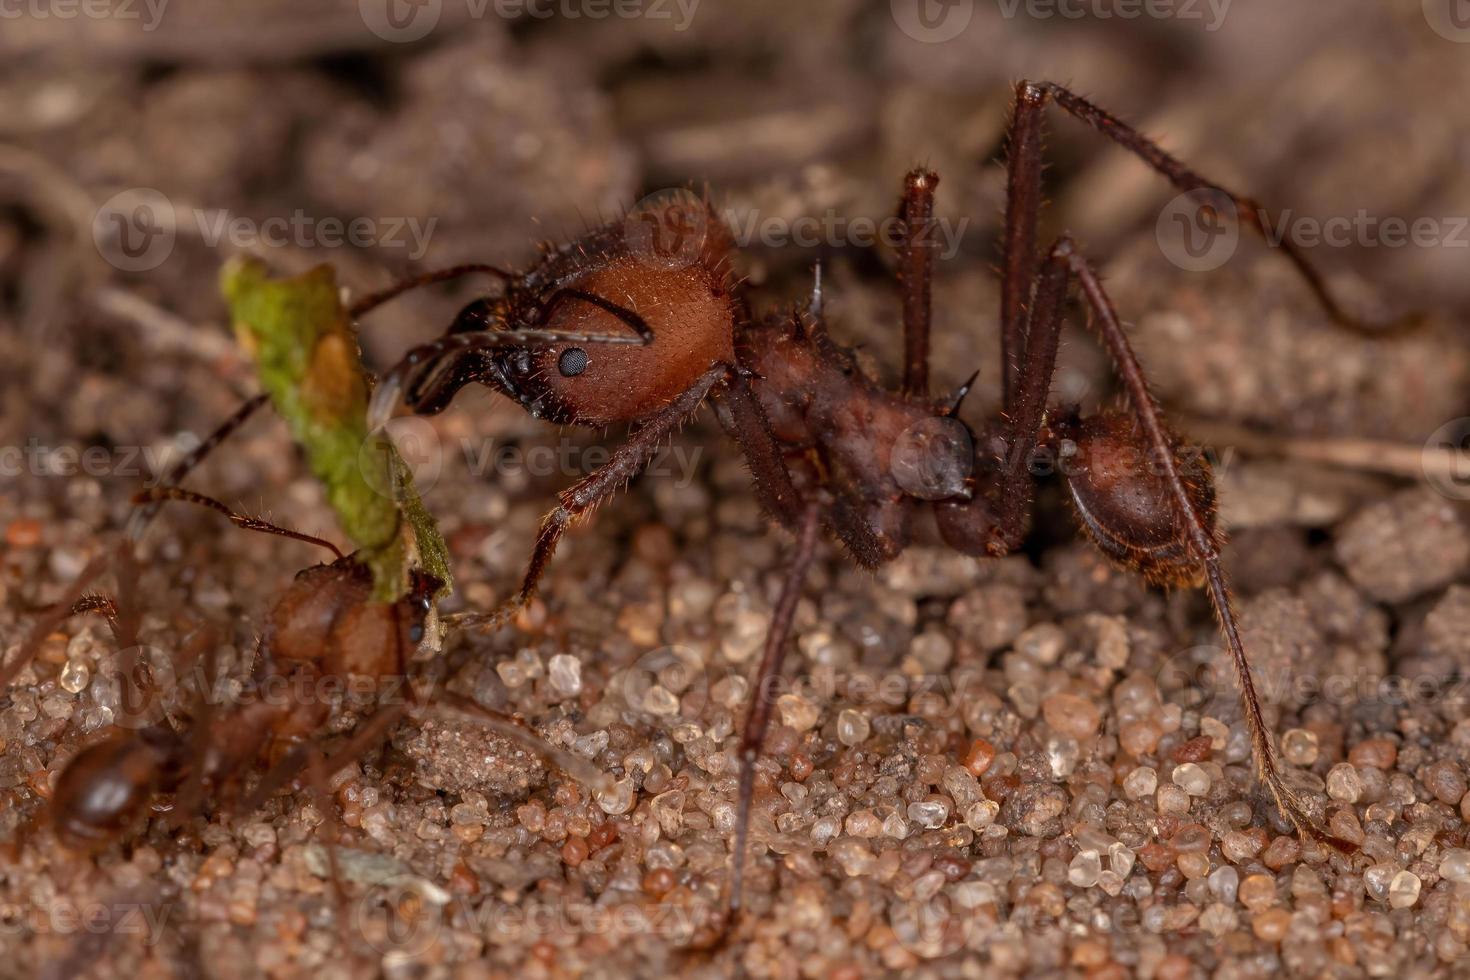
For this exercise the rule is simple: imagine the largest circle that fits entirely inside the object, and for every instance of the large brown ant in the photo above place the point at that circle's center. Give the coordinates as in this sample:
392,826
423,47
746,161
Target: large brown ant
830,449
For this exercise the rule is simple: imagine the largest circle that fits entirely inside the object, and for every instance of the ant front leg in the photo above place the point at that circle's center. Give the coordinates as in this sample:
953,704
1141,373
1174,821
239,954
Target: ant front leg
626,462
759,718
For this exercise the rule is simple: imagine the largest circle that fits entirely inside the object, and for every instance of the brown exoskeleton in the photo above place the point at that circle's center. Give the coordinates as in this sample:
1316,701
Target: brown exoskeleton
831,450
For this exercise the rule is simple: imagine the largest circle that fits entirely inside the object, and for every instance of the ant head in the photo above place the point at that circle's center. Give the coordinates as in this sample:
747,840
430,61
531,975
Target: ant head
677,313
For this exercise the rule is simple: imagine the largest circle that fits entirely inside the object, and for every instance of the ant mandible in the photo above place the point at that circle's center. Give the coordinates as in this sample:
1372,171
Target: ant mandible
825,443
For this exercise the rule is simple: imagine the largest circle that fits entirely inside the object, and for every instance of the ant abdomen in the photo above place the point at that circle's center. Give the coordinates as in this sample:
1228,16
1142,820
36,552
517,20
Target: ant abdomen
1122,497
107,786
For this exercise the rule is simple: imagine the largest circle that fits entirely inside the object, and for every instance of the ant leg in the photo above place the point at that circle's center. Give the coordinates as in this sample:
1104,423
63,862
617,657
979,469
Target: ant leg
1036,366
1247,209
745,420
915,271
374,300
367,734
1018,243
1202,540
191,793
759,718
321,796
56,614
626,462
161,494
140,518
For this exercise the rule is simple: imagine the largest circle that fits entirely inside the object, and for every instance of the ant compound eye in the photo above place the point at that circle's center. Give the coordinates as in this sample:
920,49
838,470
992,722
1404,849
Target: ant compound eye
573,361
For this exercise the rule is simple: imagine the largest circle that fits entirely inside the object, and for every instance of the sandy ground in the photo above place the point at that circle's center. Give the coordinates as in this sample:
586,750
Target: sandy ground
1018,767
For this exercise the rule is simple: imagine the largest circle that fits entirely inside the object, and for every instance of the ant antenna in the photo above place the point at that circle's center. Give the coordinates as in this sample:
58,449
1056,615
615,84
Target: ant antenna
374,300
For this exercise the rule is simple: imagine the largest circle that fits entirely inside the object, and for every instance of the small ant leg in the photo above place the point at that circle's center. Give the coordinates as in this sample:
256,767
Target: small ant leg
390,389
1202,541
625,462
140,518
367,734
759,718
54,617
321,795
374,300
191,793
161,494
915,272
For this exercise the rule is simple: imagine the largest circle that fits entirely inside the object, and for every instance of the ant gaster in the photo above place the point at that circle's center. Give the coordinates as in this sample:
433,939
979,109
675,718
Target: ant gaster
827,446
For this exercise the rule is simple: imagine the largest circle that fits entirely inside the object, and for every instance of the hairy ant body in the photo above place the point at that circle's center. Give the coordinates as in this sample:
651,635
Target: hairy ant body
829,448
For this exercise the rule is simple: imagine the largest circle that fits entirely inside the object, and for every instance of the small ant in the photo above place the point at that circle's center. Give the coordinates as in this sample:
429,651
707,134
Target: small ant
829,449
321,629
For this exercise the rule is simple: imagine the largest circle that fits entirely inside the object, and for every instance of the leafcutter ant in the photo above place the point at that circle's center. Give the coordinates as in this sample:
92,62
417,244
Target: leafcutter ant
830,450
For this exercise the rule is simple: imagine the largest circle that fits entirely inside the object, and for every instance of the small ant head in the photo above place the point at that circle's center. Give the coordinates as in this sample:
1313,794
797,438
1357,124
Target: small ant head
418,604
611,283
107,786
